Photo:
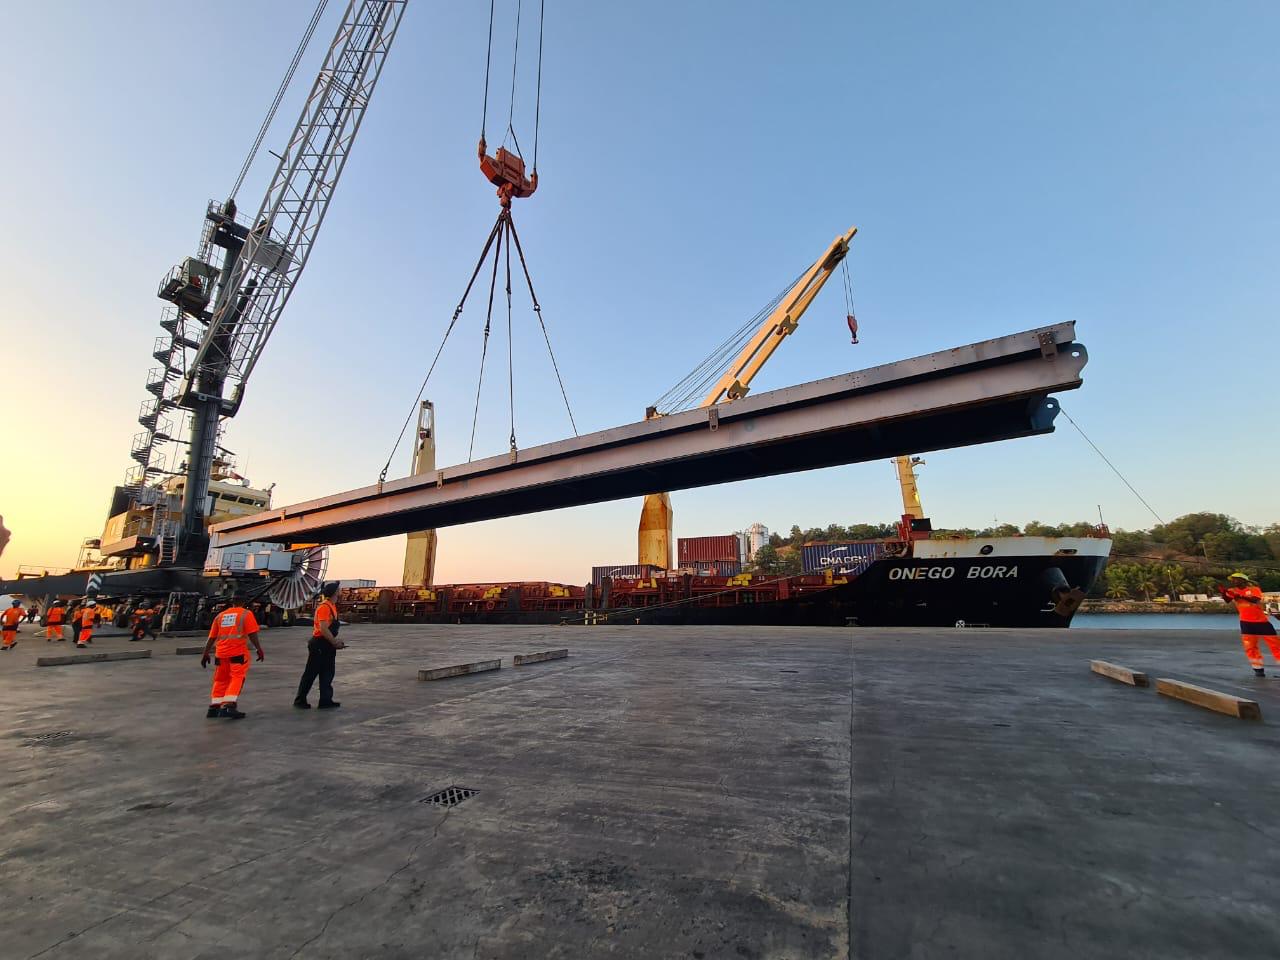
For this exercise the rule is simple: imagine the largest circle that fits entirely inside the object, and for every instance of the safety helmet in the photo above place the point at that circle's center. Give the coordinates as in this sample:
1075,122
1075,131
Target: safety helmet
91,603
329,589
1238,576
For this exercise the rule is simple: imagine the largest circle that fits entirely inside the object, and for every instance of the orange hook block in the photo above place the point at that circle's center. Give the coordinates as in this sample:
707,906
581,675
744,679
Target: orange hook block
505,170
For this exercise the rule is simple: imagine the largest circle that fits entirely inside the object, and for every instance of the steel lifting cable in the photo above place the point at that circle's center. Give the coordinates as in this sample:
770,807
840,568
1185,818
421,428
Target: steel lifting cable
1114,468
515,60
511,372
537,309
457,312
697,382
537,102
488,60
848,287
279,97
484,349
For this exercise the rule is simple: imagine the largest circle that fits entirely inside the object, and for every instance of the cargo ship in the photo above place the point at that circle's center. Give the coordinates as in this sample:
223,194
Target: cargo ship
997,582
912,579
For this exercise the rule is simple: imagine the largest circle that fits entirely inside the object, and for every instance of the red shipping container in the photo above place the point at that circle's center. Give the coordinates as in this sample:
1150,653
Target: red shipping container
693,550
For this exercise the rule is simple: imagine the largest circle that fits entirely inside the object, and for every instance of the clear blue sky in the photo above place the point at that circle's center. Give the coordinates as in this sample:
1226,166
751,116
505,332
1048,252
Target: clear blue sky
1008,164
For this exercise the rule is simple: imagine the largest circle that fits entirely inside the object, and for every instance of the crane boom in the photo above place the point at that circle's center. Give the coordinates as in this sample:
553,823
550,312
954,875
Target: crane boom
654,534
263,262
781,323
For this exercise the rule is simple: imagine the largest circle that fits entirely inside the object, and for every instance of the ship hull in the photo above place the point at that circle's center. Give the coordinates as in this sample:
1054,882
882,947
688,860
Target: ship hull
909,592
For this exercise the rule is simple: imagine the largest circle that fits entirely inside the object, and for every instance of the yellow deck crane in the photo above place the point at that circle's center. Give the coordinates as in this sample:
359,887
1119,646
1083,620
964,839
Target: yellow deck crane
914,525
779,323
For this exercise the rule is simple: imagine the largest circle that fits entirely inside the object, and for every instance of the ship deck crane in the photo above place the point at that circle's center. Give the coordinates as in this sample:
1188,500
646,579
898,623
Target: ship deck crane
655,530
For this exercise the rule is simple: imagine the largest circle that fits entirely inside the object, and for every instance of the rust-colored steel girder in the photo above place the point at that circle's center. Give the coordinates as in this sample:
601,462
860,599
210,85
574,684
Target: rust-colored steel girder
993,390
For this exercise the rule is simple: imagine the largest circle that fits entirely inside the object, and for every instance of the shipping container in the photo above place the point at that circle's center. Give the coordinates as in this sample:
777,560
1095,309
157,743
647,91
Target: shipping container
691,550
356,584
634,570
849,557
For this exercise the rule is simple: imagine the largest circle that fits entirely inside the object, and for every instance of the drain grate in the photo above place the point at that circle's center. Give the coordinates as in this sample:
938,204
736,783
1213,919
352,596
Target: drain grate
48,739
450,796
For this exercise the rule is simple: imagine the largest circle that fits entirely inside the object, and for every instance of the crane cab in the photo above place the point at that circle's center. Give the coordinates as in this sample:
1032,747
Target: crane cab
189,285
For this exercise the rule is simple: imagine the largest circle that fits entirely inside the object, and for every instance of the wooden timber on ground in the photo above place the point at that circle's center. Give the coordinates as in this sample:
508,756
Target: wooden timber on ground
520,659
1209,699
93,658
1135,678
459,670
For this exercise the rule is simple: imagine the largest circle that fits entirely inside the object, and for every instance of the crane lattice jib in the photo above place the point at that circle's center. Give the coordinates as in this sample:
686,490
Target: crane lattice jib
281,237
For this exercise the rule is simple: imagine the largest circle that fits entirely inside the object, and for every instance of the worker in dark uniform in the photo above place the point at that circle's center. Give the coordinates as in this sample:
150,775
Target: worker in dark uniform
322,652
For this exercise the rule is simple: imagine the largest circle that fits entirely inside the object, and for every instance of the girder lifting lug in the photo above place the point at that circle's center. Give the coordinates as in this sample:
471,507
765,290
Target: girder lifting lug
1048,346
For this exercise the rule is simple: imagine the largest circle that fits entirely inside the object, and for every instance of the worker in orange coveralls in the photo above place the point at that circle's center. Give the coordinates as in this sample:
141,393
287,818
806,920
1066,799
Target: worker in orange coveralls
1253,620
9,621
233,629
54,617
87,617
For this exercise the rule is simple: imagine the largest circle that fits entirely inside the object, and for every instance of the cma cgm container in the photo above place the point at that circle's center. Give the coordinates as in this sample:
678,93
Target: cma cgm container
849,557
632,570
694,550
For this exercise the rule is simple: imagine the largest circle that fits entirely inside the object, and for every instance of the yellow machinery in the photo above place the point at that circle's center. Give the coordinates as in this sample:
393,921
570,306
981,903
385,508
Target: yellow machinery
420,551
906,467
655,517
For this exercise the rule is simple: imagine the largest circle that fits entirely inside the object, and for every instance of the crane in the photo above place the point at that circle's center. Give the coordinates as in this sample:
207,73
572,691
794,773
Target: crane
239,295
914,525
654,537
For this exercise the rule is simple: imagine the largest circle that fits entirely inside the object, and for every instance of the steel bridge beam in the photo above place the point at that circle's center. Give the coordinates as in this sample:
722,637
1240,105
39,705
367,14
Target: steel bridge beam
993,390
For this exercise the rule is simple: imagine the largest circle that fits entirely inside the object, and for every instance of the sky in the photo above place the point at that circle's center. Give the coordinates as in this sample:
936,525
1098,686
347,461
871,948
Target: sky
1008,165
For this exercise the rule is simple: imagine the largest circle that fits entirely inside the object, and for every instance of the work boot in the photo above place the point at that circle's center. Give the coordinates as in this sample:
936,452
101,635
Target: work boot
80,646
1259,672
230,712
331,705
302,705
214,710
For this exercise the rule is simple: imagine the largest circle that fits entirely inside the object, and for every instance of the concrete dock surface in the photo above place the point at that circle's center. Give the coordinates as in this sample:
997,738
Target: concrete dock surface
661,792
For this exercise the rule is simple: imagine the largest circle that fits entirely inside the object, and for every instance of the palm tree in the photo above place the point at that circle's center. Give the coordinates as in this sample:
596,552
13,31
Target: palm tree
1147,584
1176,580
1117,591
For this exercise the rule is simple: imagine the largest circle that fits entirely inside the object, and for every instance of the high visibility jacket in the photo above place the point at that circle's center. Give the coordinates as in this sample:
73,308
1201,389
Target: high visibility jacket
11,617
1249,612
326,613
55,616
231,629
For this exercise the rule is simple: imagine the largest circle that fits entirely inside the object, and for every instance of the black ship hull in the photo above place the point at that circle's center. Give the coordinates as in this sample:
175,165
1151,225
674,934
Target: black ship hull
890,592
906,592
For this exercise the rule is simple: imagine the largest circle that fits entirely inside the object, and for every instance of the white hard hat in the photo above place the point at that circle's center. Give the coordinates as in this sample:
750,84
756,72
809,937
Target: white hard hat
91,603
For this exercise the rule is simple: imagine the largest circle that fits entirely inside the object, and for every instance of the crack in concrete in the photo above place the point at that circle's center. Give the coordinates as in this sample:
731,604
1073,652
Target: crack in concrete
377,886
169,893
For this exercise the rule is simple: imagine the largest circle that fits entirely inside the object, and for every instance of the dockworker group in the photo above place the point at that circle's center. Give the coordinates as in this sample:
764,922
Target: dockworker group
235,629
84,617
